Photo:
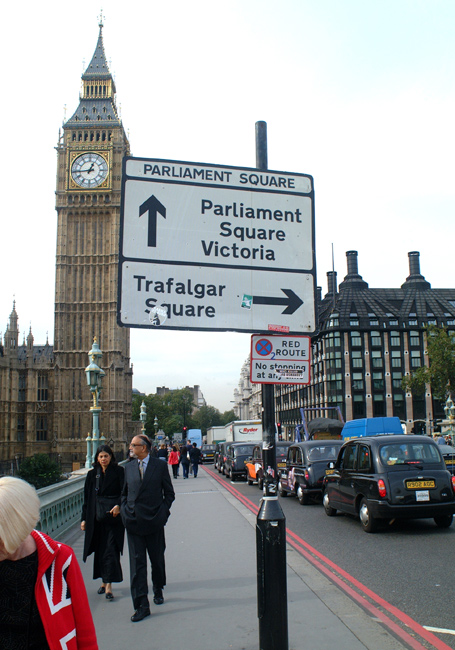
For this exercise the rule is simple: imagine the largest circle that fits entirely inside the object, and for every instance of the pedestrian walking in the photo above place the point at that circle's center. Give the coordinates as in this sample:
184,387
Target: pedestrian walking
104,530
174,459
188,452
162,452
146,501
184,461
195,458
44,602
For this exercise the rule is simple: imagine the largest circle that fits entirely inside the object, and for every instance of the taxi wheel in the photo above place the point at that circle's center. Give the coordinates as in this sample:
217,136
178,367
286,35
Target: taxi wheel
261,483
281,492
443,521
301,496
329,511
369,523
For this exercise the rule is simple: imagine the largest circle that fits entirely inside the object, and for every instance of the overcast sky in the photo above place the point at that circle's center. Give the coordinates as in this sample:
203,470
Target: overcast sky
358,93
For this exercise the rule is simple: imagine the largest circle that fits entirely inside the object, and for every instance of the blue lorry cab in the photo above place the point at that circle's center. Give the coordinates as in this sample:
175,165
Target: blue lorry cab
371,427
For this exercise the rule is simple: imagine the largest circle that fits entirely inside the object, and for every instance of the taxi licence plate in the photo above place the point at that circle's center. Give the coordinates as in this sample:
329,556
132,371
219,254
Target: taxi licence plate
422,495
281,464
329,471
419,485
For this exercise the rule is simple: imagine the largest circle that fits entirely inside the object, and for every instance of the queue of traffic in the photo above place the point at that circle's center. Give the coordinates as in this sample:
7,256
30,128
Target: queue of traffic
373,471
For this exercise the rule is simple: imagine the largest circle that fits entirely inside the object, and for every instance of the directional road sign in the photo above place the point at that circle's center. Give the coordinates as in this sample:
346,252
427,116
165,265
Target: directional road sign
280,359
216,248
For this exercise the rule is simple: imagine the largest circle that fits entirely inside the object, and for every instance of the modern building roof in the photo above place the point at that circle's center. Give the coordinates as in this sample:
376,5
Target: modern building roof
415,302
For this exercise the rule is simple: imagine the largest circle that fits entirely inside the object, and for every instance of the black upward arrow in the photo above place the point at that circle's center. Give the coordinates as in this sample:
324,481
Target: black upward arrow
153,207
292,301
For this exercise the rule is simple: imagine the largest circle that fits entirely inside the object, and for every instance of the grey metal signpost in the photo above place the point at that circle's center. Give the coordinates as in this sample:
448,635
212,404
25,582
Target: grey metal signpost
271,522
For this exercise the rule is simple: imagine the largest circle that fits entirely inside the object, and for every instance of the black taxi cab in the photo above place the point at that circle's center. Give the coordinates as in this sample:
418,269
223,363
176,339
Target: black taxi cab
390,477
305,468
255,464
448,453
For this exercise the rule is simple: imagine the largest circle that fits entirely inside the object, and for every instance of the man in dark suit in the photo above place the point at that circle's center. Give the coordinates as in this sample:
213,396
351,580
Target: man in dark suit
146,500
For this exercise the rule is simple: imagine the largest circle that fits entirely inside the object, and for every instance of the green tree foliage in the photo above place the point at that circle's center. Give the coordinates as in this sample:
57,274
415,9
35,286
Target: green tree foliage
174,410
206,417
228,416
40,471
440,374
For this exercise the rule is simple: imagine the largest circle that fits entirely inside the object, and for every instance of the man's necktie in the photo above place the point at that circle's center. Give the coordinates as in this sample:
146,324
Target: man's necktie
141,469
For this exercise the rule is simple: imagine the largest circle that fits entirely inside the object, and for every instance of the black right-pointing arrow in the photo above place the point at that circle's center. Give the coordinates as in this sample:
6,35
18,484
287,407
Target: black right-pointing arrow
292,302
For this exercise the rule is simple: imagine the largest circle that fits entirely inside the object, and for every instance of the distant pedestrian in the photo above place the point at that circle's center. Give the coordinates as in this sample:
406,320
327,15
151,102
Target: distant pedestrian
173,460
188,455
162,452
184,461
195,458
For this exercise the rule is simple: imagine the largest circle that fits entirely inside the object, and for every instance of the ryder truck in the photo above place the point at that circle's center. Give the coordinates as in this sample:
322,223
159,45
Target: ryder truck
243,431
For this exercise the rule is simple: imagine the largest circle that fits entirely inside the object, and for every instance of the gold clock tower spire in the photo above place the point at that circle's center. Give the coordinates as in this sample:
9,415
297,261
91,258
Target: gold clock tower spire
90,153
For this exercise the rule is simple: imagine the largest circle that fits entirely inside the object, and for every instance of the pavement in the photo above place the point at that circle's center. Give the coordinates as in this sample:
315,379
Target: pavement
211,593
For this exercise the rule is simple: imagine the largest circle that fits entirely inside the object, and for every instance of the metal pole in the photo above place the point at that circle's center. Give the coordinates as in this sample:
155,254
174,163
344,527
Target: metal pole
271,522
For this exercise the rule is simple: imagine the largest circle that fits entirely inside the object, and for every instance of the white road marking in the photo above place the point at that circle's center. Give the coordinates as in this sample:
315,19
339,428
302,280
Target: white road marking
441,630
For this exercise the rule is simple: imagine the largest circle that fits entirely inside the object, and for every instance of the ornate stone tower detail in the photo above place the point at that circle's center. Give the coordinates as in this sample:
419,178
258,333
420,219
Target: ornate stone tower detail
90,153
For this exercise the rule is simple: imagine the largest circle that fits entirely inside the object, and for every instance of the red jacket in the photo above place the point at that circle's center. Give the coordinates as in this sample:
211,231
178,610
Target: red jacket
174,458
61,597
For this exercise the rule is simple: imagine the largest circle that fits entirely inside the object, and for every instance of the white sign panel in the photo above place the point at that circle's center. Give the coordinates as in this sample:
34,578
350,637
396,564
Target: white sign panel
215,248
280,359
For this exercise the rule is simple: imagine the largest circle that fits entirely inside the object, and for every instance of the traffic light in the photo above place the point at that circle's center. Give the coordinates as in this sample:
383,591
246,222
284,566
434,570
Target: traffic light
185,431
278,429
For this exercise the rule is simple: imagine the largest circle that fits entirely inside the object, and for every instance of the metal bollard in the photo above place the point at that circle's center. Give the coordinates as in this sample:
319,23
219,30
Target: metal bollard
271,576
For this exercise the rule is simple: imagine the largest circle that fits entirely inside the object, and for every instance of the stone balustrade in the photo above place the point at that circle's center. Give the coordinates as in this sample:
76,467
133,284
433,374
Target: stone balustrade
61,505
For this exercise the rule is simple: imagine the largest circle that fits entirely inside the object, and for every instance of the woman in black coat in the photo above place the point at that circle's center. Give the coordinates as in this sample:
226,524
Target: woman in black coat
104,539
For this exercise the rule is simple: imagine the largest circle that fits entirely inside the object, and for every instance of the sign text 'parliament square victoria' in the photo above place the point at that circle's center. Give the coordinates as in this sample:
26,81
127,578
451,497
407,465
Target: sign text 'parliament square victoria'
216,248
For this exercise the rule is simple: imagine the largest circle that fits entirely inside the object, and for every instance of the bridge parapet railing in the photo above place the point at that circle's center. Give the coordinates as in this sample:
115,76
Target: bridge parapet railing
61,505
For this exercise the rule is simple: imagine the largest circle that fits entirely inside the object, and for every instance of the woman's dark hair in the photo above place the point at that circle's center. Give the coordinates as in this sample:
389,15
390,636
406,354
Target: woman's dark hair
108,450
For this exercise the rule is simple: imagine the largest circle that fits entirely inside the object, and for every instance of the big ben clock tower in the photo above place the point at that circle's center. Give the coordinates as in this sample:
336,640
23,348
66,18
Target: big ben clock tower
90,152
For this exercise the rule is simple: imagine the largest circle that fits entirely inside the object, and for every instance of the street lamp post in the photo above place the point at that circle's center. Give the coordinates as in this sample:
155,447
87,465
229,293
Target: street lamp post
94,376
155,424
143,417
449,410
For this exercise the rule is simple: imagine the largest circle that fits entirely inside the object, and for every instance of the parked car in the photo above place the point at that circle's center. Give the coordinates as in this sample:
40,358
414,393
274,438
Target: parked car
208,453
448,453
217,453
305,468
255,465
236,456
221,460
387,477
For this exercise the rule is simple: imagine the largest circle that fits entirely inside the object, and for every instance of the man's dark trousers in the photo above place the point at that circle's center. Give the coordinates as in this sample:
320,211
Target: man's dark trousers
139,546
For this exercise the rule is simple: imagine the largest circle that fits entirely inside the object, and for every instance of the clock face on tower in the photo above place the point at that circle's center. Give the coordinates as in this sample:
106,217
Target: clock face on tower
89,170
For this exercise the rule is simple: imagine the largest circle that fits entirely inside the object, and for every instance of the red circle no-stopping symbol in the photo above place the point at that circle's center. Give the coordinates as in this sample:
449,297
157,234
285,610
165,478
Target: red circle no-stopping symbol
264,347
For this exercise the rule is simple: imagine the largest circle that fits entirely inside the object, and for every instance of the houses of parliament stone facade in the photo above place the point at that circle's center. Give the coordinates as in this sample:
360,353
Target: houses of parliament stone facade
44,398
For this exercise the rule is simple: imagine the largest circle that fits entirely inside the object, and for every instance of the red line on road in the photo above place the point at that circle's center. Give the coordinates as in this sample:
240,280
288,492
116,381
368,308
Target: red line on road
401,616
309,552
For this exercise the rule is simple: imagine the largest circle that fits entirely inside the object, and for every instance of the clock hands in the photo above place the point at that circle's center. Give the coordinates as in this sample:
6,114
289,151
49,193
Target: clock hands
88,171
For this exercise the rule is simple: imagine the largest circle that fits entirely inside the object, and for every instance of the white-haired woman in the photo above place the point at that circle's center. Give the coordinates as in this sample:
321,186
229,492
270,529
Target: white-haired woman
43,602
